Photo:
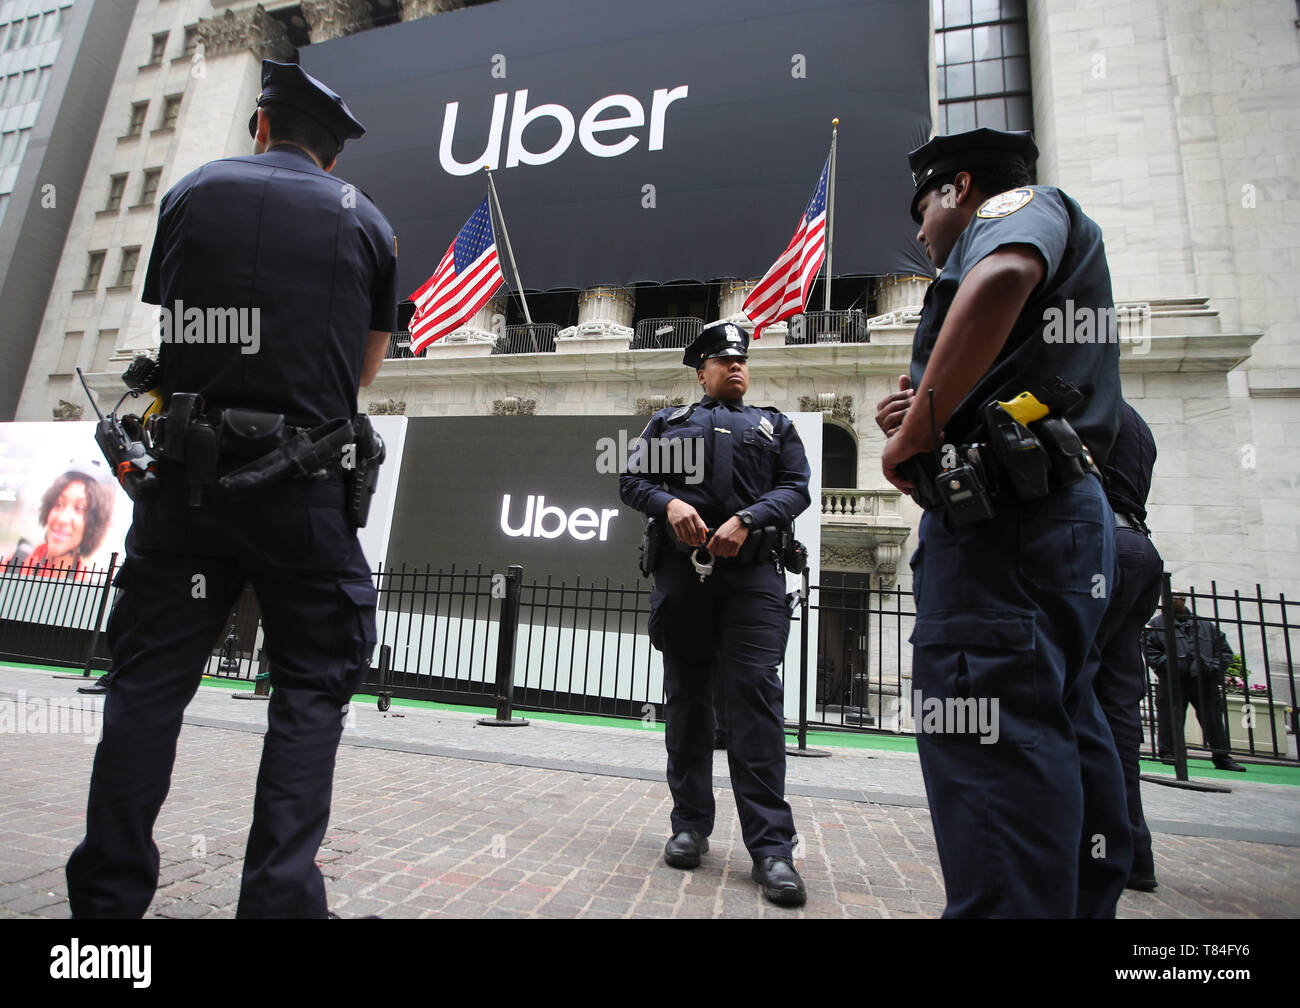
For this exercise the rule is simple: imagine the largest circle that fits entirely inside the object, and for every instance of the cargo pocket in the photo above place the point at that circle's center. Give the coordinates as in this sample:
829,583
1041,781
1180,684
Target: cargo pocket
974,678
1062,544
361,602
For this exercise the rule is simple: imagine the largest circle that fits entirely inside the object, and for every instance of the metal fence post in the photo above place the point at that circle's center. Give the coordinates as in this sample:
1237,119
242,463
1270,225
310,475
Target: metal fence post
99,614
507,627
802,748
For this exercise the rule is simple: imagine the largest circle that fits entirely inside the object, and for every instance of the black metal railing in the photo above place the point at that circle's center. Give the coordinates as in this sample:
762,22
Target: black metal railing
827,327
665,333
583,648
399,347
536,338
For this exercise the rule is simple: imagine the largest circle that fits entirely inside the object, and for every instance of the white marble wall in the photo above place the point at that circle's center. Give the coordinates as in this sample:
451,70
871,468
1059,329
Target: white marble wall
1175,123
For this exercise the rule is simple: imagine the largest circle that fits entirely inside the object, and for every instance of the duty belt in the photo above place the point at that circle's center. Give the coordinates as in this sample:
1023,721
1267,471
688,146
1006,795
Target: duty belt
242,450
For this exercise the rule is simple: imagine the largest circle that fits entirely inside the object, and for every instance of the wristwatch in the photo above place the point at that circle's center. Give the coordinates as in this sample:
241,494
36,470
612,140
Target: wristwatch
746,519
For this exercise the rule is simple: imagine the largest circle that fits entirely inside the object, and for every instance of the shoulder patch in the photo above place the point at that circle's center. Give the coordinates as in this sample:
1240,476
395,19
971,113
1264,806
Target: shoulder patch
1005,204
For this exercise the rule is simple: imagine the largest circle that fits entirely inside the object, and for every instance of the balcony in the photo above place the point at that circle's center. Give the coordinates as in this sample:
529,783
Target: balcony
863,531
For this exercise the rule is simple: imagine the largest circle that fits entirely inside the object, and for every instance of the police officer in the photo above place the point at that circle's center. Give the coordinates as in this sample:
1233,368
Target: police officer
274,232
1029,820
730,622
1121,681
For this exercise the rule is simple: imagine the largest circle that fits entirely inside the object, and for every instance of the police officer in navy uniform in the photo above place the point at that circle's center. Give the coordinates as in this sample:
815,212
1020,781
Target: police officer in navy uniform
1122,679
274,232
731,622
1030,820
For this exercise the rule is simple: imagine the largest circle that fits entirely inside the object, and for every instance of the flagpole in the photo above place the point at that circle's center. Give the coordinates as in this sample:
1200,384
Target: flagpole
510,254
830,212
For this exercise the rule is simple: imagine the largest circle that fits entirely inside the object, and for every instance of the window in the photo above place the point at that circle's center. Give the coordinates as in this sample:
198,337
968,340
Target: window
69,353
42,82
4,205
116,187
149,188
138,112
171,112
11,38
94,267
52,26
28,89
29,30
8,143
104,348
157,49
191,40
5,88
982,65
130,257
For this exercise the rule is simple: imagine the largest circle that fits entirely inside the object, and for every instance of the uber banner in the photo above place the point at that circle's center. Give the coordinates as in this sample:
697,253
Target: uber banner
677,140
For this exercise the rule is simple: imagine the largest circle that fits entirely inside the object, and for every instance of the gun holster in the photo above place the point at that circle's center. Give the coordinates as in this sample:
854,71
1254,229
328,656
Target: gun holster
362,476
651,548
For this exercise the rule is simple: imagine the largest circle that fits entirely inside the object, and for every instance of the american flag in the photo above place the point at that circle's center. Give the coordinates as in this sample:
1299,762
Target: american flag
784,290
468,275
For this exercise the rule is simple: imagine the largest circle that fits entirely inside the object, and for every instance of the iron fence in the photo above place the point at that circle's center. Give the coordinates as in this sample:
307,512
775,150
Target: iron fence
583,648
848,326
665,333
539,337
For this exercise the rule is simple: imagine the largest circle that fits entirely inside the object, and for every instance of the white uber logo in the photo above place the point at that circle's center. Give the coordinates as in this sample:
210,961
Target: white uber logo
546,521
587,126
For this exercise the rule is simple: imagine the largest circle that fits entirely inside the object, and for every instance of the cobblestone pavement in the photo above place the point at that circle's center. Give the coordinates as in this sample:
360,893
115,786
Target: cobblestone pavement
437,816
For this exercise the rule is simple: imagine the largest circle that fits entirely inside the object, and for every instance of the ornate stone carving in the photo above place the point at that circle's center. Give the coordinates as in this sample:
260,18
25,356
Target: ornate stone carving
387,407
839,407
335,18
888,556
648,405
68,411
253,29
513,406
860,559
412,9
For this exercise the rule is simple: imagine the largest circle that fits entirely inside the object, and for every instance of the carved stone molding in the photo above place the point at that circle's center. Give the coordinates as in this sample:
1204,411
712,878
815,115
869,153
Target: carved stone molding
68,411
330,19
413,9
252,29
839,407
861,560
513,406
648,405
387,407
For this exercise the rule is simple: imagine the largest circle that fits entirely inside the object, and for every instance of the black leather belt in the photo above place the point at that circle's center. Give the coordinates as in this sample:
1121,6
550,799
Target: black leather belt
1133,522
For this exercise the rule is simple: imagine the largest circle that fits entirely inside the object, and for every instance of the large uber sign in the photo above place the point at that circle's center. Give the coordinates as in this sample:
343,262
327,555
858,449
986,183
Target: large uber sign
640,142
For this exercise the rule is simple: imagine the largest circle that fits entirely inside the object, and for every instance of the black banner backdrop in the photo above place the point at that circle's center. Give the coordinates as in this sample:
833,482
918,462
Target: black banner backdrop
677,140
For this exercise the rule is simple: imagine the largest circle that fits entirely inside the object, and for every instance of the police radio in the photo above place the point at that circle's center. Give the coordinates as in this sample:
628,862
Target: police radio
123,441
963,488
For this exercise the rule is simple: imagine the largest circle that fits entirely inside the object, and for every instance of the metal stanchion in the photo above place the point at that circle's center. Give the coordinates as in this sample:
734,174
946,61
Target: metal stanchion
1174,690
507,626
802,748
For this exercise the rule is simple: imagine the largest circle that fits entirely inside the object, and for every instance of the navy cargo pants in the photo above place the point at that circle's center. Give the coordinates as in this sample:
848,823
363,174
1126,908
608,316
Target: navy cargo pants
732,626
1029,816
184,570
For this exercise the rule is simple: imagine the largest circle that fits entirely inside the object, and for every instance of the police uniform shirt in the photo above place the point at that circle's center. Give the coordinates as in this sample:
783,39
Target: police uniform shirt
1076,277
315,257
769,470
1132,459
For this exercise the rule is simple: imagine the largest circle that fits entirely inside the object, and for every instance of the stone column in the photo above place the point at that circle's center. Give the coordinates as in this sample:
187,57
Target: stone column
894,293
604,321
733,296
330,19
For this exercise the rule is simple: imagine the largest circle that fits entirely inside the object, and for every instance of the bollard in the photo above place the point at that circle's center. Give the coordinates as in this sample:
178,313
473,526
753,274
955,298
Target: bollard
507,626
802,748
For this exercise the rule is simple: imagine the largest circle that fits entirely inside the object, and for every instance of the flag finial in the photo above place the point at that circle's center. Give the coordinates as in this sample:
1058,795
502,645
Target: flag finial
835,122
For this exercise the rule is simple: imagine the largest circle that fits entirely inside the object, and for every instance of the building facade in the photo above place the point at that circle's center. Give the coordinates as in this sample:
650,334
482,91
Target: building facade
1174,123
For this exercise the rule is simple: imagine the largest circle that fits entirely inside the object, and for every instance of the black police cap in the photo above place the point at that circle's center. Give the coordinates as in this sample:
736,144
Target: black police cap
289,85
718,339
964,151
